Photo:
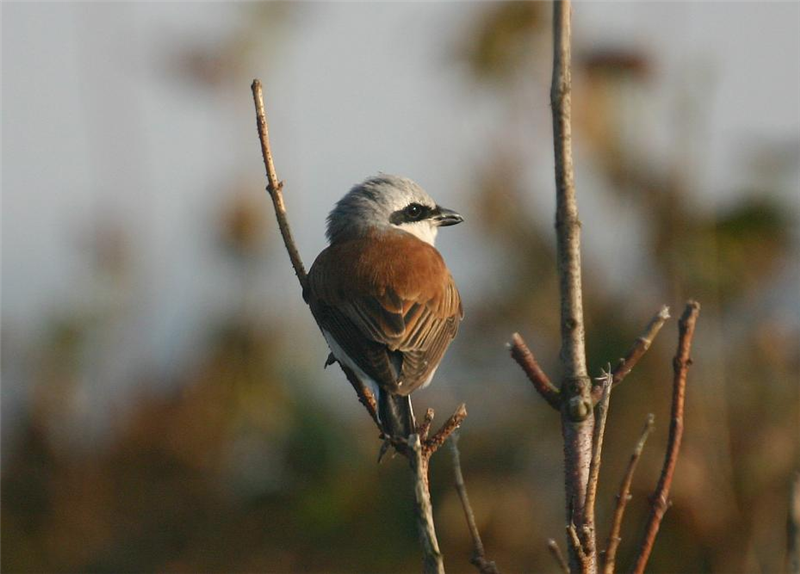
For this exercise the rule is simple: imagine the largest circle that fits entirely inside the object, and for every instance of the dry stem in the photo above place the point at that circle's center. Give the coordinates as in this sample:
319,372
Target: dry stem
275,186
541,382
659,500
622,499
641,345
554,549
478,558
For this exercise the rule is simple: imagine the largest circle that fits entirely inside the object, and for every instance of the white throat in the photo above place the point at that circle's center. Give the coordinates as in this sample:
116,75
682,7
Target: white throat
423,230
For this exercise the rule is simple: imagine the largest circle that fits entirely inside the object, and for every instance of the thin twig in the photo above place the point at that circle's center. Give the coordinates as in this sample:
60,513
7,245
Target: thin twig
576,412
600,417
793,527
555,551
425,426
478,558
433,562
641,345
451,425
637,350
659,501
541,382
275,186
622,499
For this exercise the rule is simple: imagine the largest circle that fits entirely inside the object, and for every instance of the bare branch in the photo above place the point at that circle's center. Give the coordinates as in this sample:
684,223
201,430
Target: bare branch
793,527
478,558
576,412
552,546
600,417
433,563
275,187
659,501
432,444
622,499
541,382
568,226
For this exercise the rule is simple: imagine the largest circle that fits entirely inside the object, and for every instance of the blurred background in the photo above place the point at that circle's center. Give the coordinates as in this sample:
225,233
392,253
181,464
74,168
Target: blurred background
164,406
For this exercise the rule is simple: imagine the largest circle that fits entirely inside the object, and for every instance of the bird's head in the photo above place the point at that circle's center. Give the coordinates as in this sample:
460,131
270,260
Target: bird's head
388,202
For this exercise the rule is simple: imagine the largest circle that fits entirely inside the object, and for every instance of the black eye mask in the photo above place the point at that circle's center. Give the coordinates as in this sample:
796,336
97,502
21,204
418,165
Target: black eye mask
411,213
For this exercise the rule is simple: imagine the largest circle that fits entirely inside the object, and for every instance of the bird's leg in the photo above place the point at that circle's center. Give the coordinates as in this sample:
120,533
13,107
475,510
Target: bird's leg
412,422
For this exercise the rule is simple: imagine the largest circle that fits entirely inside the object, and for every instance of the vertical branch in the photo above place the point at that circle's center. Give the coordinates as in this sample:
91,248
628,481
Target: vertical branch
568,226
576,413
433,563
659,501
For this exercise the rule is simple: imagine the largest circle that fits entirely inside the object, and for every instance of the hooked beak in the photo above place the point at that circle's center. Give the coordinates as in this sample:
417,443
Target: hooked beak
444,217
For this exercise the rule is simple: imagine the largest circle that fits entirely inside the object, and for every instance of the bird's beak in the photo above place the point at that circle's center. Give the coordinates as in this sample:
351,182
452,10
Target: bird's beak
444,217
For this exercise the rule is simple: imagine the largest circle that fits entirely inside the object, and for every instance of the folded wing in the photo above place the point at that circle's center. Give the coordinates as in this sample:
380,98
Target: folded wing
390,303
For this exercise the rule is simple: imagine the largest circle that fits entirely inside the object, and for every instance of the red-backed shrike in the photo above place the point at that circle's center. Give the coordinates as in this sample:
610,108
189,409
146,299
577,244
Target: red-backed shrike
382,294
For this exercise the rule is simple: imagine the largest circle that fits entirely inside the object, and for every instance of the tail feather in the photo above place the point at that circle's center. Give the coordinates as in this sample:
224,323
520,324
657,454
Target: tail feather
396,415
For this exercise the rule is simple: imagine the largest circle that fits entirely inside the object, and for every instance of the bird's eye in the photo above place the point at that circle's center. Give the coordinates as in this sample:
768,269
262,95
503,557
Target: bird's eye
414,211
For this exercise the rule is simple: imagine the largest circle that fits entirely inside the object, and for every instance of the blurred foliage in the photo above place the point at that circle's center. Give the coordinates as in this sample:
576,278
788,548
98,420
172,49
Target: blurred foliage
502,38
234,464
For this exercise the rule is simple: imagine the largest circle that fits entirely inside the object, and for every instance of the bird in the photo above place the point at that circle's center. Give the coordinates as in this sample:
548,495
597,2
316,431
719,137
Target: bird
382,294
